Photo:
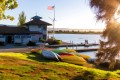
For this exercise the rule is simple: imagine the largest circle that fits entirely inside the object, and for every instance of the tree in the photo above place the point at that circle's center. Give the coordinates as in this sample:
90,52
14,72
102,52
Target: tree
22,19
107,10
7,5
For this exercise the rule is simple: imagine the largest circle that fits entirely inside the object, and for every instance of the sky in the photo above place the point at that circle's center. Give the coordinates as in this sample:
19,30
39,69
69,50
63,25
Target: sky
74,14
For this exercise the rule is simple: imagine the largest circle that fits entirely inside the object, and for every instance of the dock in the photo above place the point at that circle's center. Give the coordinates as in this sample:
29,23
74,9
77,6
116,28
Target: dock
87,49
71,45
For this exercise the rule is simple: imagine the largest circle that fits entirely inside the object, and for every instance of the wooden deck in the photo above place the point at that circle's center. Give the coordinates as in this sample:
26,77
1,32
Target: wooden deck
88,49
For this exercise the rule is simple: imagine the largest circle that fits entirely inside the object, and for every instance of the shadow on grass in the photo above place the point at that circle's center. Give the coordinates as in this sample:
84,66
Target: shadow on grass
78,78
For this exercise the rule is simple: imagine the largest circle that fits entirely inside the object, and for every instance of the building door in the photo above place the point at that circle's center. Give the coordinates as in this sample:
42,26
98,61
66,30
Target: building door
9,39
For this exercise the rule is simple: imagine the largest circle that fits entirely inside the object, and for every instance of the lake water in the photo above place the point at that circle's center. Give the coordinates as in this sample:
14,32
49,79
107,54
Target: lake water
79,38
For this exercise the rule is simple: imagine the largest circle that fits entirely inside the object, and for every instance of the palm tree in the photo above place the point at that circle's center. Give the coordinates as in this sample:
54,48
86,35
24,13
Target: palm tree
106,10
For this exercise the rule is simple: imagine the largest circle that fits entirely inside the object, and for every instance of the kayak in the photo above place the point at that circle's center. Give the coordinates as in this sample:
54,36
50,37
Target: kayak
50,55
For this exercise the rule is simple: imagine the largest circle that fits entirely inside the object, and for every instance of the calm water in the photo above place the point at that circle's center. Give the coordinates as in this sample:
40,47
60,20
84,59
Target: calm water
79,38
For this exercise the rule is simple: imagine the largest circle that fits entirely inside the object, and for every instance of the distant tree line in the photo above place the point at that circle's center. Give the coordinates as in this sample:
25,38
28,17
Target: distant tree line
75,32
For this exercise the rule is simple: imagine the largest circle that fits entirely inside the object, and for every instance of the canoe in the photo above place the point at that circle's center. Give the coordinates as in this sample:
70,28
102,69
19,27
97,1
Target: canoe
50,55
66,54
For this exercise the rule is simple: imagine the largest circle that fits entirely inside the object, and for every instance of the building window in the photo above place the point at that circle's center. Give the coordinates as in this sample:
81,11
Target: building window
17,36
1,36
28,36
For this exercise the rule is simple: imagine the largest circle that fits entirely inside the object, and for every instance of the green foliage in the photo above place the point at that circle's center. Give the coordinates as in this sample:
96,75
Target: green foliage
31,43
42,40
76,32
14,55
58,41
7,5
19,66
22,19
107,10
53,41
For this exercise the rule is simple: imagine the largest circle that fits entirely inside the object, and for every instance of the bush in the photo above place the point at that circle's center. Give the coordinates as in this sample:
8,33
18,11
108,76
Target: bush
42,40
31,43
54,42
2,43
58,41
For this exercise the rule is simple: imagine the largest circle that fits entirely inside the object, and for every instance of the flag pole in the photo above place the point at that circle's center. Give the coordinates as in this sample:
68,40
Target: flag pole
54,23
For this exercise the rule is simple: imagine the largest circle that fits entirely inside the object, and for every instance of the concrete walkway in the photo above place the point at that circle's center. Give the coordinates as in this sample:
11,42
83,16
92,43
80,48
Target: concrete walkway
14,48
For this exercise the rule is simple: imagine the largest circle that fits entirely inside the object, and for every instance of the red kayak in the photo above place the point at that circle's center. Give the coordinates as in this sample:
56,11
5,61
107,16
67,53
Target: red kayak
66,54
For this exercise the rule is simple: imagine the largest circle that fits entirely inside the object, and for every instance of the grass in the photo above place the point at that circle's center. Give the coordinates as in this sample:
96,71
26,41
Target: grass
26,66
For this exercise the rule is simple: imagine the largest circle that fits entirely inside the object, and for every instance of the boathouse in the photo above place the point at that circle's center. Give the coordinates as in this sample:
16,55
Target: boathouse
33,30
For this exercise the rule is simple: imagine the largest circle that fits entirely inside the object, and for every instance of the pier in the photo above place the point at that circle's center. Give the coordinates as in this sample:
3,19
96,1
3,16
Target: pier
71,45
87,49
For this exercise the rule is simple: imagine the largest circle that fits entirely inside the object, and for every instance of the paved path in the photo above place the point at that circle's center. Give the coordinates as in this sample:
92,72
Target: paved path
12,48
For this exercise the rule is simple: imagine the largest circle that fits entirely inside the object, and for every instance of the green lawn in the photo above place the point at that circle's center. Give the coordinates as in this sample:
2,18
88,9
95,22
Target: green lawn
26,66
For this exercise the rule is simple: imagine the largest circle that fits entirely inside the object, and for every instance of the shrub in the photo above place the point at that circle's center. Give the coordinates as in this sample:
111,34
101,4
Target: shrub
2,43
42,40
53,42
58,41
31,43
